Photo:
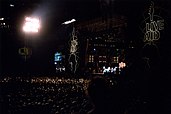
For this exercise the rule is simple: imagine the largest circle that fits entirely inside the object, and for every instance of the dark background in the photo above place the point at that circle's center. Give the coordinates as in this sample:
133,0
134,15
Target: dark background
54,37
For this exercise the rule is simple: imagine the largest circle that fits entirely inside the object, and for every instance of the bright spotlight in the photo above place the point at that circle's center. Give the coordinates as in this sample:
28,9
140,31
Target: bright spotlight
68,22
31,25
1,19
11,5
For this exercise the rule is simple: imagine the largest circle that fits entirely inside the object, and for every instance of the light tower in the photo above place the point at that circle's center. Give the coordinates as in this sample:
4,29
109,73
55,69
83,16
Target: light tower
31,26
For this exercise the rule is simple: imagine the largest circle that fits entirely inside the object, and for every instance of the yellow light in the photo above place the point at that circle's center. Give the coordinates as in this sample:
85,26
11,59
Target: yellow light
122,65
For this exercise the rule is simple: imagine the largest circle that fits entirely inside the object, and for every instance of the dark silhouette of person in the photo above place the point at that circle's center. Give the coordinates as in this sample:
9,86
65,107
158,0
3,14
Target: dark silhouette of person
98,91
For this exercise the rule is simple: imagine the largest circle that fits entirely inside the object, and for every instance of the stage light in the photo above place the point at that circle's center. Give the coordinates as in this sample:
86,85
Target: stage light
68,22
1,19
31,25
11,5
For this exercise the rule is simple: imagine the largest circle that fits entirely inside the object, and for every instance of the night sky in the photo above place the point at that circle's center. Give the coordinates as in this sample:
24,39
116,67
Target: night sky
54,36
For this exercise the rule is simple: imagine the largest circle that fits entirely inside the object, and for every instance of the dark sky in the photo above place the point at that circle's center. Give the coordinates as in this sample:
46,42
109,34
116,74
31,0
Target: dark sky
53,36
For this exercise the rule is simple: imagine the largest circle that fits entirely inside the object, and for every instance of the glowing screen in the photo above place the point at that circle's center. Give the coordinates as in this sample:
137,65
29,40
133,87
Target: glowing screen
58,56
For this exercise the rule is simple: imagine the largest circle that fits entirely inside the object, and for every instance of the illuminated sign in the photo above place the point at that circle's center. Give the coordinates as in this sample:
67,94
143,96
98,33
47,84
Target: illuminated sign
154,24
152,27
26,52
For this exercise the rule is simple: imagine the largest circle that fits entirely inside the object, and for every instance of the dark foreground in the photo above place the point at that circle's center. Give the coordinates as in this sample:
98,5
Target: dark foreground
62,96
